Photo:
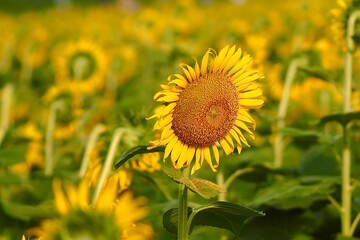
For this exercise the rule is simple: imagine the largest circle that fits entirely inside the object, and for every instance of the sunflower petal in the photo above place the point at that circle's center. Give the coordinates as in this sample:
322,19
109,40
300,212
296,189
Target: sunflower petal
170,146
224,144
175,153
190,155
207,157
182,158
251,103
216,154
204,63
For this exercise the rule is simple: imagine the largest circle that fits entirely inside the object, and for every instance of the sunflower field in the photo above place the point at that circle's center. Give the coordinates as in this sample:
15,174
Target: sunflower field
207,119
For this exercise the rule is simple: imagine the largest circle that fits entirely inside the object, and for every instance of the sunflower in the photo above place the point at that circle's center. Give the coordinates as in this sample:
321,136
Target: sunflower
80,67
340,17
205,106
111,217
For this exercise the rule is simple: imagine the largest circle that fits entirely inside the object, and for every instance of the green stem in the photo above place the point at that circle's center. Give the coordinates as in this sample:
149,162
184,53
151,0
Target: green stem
335,203
279,144
221,182
89,147
108,161
5,110
346,161
236,174
354,224
49,144
183,203
346,193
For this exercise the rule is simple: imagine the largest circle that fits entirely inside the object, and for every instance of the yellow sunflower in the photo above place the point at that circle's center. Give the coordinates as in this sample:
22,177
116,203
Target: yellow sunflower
80,67
340,18
207,105
111,217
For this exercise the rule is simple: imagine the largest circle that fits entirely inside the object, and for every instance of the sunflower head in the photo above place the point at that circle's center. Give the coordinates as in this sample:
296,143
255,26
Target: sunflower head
206,106
80,66
113,216
340,17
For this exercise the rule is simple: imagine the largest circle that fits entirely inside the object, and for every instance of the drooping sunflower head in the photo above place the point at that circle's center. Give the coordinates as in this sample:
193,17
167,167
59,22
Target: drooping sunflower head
206,106
340,17
80,66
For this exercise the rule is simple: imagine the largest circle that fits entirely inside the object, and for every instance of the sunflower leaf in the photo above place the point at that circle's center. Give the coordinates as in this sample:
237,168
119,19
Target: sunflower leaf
318,72
170,219
141,149
203,187
225,215
342,118
206,188
292,194
26,212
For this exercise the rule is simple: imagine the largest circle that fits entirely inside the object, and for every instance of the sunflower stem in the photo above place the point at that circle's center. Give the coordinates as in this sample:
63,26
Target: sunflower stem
89,147
183,203
236,174
346,191
49,144
220,180
118,134
5,110
279,144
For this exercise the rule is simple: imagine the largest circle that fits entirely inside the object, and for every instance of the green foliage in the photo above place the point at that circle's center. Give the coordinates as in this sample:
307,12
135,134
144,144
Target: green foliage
293,194
343,118
226,215
203,187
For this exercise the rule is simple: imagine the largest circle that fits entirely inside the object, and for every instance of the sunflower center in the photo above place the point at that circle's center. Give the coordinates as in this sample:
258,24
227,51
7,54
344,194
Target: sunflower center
206,110
82,66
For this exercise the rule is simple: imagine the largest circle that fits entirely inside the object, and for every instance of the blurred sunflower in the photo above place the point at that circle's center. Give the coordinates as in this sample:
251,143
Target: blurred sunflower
34,156
148,162
122,177
80,67
205,106
340,17
111,217
322,98
34,47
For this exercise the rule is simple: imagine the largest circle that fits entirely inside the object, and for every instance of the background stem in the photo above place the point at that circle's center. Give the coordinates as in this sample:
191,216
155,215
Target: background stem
279,144
108,161
346,161
49,145
7,96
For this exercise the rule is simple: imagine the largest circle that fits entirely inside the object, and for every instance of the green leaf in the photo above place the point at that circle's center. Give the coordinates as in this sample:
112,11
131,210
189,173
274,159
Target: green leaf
292,194
10,178
341,237
318,72
135,151
220,214
320,161
26,212
225,215
170,219
342,118
295,132
13,155
203,187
